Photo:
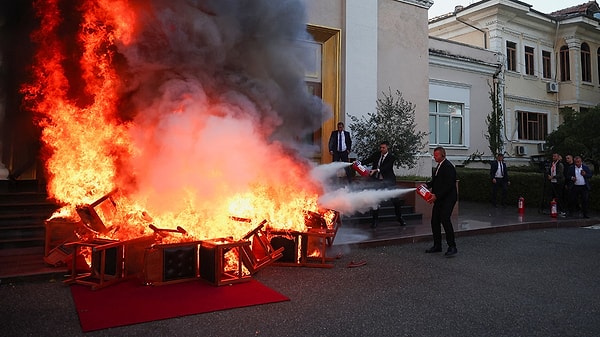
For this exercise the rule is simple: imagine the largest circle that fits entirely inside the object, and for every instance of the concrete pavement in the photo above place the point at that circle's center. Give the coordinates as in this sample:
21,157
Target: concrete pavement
541,282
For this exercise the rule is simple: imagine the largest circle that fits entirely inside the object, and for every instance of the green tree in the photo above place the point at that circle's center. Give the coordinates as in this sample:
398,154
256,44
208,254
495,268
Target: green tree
494,123
393,121
577,135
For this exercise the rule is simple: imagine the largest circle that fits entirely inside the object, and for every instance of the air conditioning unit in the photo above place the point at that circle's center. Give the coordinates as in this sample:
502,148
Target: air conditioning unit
552,87
520,149
542,147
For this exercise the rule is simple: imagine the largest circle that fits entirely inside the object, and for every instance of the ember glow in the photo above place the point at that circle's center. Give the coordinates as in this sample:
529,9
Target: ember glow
190,110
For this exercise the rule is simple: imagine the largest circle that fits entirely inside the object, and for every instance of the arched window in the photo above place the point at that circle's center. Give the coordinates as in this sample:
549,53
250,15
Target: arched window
586,63
565,69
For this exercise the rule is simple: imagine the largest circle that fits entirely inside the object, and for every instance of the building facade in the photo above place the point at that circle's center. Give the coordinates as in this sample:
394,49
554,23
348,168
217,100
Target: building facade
549,61
462,79
379,46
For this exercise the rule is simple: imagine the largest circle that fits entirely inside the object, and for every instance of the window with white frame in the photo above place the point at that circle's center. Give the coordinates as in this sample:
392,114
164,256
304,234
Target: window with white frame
446,123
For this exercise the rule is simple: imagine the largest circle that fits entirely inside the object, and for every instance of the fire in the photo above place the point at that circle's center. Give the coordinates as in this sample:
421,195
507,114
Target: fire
196,155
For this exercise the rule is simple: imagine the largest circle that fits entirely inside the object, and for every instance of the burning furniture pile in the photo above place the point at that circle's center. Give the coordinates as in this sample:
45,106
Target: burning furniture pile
173,255
308,248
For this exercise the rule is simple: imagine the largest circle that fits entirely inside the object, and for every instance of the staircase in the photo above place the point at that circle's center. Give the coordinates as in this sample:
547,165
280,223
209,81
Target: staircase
24,206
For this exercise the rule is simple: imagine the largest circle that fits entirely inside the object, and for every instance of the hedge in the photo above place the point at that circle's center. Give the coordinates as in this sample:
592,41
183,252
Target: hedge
475,185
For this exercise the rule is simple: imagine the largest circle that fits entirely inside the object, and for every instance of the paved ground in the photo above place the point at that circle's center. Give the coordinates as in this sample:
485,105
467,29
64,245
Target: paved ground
541,282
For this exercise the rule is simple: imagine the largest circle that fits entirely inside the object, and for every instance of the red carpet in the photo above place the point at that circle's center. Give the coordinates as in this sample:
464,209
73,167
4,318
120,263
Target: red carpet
130,302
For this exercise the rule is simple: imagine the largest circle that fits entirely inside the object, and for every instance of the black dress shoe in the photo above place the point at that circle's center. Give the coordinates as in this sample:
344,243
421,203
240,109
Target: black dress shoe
374,224
451,251
433,249
402,222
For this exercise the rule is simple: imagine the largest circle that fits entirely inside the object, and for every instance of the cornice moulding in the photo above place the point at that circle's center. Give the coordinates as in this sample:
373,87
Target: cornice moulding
454,62
419,3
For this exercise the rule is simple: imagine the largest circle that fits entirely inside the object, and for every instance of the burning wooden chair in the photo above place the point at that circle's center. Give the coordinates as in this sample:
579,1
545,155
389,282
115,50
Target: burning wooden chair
220,262
328,220
166,263
302,249
59,232
308,248
260,253
226,261
110,261
94,215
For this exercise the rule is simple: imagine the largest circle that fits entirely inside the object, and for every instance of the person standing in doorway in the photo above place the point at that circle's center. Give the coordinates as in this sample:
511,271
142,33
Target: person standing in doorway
340,145
499,176
444,197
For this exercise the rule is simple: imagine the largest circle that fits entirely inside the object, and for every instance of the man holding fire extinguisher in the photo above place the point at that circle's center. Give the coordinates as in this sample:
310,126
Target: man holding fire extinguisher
383,176
443,197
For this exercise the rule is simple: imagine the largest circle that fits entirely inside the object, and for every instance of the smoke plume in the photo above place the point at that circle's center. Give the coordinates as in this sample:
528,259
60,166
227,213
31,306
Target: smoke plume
217,95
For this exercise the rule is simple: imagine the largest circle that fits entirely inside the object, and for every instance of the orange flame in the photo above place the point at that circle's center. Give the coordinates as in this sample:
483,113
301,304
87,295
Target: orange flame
193,163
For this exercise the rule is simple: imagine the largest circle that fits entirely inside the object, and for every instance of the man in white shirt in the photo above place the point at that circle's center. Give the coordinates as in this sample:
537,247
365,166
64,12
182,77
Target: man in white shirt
499,177
580,175
340,145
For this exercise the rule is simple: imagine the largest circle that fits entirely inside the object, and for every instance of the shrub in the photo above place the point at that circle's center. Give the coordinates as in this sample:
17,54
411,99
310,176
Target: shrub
475,185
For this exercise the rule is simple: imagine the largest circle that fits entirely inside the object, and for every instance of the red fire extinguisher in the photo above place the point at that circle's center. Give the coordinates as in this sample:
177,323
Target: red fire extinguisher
553,208
360,168
521,205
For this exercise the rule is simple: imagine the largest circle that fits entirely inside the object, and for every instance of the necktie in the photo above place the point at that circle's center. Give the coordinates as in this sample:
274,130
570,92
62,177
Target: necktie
379,166
340,141
437,169
500,165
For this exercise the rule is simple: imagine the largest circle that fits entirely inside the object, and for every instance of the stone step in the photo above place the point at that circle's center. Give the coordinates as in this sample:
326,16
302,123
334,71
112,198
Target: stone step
23,212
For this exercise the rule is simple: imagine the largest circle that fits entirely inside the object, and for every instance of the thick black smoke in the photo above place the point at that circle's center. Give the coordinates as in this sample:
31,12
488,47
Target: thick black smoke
247,55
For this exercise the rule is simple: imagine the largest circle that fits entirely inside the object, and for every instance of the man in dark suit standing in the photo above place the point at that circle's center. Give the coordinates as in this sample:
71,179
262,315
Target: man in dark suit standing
499,177
340,145
382,173
444,196
580,175
568,182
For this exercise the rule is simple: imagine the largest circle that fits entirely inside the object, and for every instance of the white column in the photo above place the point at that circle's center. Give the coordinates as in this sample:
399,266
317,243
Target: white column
361,57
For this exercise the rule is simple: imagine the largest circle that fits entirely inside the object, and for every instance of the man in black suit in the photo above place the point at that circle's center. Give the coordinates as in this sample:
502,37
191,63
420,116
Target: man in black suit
444,196
580,175
340,145
499,176
382,174
568,182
